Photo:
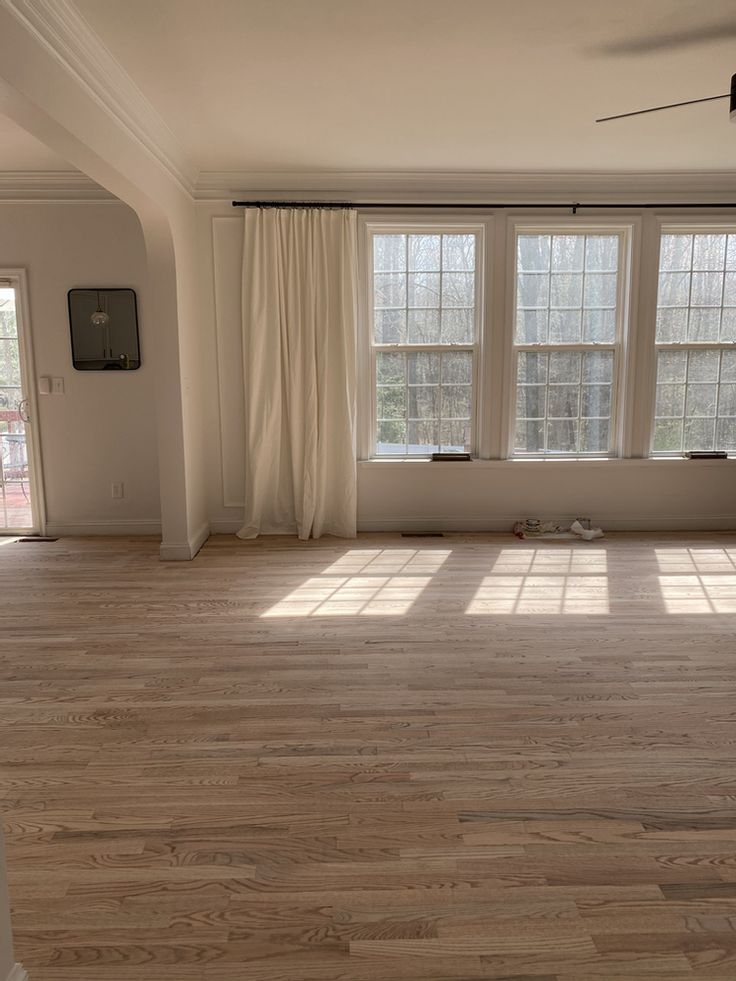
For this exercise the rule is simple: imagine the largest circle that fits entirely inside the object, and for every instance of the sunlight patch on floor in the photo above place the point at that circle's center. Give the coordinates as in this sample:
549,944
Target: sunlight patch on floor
351,596
541,595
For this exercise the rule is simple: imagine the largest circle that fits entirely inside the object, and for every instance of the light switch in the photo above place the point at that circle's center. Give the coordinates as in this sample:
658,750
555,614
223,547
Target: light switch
44,385
57,386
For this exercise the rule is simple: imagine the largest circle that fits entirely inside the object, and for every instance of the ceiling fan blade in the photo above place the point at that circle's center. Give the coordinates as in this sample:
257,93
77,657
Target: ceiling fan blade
722,31
672,105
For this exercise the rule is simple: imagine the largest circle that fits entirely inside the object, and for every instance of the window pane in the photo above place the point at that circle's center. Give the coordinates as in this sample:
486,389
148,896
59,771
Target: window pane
529,436
600,289
564,326
599,326
709,251
706,289
675,252
531,401
532,368
458,253
596,401
696,305
533,290
424,289
594,435
9,363
389,290
423,436
696,397
598,366
562,436
704,324
457,368
389,326
531,326
390,368
425,252
674,289
455,401
455,436
389,253
391,402
457,289
424,326
424,368
566,290
601,253
423,294
391,437
458,326
568,253
564,398
533,253
671,325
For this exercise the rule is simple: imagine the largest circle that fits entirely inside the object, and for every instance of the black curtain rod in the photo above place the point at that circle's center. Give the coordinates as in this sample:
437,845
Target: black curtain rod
574,207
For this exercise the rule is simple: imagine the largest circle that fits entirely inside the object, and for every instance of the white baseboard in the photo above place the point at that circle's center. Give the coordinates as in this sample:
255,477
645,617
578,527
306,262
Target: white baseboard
184,551
17,973
496,523
609,522
126,526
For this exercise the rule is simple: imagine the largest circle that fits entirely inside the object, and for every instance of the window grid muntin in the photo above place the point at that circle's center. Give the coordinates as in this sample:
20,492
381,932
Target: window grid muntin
615,346
407,231
687,346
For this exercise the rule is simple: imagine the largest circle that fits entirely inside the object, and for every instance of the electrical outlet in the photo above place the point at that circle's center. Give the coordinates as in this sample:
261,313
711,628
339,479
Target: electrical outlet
57,386
118,490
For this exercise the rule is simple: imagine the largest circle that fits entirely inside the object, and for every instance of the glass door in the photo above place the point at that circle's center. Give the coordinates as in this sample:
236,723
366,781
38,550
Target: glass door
19,511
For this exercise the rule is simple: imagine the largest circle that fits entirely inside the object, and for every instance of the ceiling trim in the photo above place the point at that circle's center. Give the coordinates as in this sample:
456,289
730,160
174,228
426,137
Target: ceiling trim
60,28
50,185
421,185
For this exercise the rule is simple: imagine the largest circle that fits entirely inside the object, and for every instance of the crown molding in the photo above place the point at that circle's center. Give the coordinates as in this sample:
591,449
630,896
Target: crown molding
58,26
50,185
420,185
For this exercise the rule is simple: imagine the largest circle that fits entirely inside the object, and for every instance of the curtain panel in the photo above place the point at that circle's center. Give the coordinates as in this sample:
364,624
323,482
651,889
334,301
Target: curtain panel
299,343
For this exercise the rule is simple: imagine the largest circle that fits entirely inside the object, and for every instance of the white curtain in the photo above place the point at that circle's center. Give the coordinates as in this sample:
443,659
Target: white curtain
299,329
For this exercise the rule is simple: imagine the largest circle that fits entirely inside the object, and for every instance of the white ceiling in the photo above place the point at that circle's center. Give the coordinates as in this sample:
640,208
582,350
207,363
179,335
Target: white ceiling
492,85
424,85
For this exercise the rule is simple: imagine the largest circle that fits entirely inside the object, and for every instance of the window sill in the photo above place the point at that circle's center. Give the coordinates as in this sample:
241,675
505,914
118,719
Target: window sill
534,462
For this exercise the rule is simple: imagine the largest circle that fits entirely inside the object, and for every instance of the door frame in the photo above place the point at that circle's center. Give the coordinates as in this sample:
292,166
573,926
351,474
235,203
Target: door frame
17,278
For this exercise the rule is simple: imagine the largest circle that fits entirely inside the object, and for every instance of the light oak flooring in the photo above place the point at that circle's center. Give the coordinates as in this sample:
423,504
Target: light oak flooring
419,758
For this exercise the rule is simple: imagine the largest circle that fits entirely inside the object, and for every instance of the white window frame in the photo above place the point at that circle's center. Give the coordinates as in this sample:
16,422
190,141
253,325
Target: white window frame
367,348
619,347
669,227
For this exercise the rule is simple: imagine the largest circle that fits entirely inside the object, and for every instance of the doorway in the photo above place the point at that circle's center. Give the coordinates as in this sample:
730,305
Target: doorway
21,499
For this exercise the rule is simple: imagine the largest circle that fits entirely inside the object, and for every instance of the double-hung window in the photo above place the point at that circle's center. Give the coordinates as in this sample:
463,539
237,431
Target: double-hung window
424,330
696,343
567,341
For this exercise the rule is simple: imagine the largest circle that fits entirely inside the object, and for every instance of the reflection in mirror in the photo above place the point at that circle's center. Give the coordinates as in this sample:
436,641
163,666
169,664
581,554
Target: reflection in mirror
104,329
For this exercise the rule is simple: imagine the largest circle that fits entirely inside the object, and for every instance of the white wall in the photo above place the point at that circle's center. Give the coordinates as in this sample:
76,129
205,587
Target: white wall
635,494
103,428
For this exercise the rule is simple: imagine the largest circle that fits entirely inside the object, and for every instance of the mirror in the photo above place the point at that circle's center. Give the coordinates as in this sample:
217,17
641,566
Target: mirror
104,327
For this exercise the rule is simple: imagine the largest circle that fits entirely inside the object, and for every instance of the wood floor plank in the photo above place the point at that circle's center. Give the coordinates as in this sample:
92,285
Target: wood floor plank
380,760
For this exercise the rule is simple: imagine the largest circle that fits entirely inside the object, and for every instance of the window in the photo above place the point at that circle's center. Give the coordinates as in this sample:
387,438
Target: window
424,340
567,338
695,405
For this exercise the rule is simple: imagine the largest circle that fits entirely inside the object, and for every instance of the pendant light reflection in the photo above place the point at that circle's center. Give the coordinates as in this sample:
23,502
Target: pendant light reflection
99,318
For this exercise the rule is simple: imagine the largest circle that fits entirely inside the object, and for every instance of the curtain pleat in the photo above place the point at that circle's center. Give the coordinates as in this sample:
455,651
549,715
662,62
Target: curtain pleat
299,338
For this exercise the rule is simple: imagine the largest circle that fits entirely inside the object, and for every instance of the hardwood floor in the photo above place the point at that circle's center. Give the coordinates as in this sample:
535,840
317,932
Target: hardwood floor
444,758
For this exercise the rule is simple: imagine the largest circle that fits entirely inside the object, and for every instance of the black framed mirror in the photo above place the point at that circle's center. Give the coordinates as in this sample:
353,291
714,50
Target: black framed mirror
104,329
